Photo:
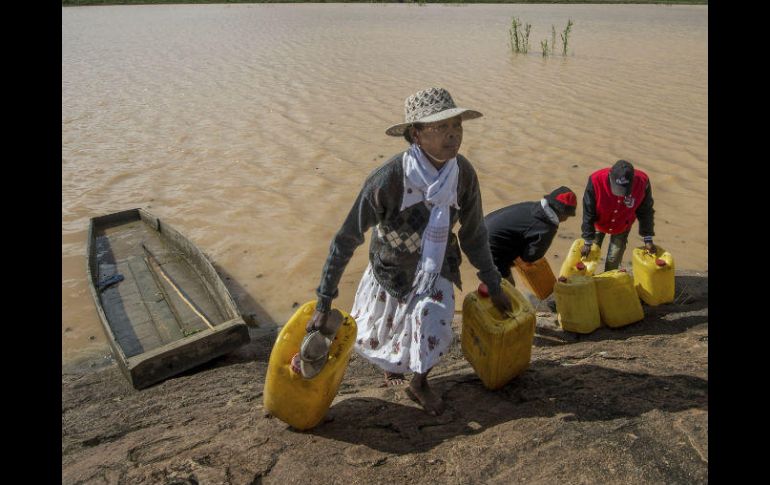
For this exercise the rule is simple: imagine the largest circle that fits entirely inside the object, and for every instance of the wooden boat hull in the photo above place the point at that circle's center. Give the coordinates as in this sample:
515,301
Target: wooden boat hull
167,310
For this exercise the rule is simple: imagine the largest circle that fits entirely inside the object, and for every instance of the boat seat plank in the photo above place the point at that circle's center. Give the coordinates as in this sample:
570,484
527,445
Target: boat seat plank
126,313
184,276
166,323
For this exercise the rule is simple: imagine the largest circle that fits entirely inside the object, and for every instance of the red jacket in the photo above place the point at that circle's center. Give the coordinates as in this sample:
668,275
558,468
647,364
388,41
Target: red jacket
606,212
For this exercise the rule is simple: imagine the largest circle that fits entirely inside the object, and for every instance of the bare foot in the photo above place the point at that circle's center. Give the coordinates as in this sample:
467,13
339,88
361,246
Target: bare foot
424,395
394,380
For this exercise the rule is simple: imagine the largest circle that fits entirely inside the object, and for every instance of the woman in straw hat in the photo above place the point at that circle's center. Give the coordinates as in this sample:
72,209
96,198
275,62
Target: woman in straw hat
404,304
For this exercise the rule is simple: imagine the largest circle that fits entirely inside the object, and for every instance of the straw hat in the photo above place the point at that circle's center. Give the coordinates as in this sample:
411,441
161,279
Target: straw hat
430,105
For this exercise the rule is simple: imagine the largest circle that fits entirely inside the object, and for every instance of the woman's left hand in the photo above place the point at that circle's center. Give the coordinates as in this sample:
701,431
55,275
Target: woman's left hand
502,303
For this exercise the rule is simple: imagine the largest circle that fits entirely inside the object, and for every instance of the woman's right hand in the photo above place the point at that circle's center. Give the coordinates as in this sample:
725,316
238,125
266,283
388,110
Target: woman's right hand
317,321
325,322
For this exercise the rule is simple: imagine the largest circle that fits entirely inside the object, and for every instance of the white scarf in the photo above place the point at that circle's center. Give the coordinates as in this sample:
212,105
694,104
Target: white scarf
439,190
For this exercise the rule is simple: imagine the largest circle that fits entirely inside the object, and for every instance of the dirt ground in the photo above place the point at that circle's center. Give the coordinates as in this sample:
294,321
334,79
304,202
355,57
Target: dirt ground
627,405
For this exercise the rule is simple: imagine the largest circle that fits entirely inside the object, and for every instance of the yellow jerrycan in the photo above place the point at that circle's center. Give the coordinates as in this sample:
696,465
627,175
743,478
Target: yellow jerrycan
619,304
654,275
299,402
498,347
577,306
575,264
537,276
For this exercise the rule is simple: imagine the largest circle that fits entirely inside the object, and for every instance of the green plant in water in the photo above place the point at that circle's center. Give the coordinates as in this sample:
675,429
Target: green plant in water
544,45
519,35
514,34
565,37
525,38
553,38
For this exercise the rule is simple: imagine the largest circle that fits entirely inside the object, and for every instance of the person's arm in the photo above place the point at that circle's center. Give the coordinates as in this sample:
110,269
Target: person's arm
646,215
537,246
499,243
362,216
589,218
474,238
589,213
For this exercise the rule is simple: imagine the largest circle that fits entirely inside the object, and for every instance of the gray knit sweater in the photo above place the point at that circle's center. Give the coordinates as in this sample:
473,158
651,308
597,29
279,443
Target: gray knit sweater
394,251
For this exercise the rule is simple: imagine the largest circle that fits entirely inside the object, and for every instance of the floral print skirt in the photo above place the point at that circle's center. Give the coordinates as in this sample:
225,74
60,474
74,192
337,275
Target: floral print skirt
401,336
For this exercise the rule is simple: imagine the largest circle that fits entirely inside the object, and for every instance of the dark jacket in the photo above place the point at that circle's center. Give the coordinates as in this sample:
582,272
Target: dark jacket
396,240
644,211
519,230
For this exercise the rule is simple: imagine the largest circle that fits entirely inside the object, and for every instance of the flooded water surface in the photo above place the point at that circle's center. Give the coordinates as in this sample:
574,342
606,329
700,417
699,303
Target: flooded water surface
250,128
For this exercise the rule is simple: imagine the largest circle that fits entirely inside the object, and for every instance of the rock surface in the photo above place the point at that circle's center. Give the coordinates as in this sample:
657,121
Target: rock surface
626,405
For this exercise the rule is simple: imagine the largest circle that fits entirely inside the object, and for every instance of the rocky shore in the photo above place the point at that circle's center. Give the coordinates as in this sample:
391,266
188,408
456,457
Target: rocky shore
627,405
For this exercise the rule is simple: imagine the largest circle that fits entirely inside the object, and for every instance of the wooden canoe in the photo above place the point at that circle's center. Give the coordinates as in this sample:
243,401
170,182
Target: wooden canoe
161,303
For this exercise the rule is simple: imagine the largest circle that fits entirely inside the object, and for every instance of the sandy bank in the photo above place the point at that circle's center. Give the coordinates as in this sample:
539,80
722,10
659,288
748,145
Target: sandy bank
625,405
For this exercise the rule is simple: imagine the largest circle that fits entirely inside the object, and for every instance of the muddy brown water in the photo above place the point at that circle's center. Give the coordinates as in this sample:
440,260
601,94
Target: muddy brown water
250,128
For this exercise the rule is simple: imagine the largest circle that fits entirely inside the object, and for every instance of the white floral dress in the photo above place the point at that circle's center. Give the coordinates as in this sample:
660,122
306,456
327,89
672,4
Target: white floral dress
401,336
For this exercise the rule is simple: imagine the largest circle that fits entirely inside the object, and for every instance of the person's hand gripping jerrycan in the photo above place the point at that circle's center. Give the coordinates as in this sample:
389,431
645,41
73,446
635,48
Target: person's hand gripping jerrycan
299,402
497,346
575,264
654,275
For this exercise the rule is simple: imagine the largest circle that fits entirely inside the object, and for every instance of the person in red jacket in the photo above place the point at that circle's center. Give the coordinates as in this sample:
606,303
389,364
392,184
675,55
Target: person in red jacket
614,198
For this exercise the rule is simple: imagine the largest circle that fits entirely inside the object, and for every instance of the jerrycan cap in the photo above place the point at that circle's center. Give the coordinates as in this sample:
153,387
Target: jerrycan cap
660,262
483,290
623,270
562,279
580,266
